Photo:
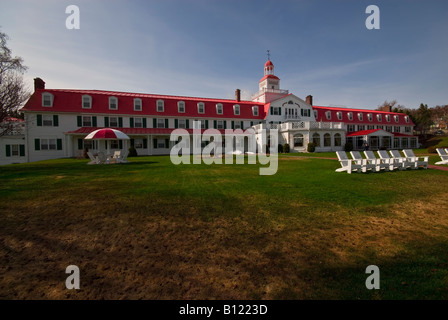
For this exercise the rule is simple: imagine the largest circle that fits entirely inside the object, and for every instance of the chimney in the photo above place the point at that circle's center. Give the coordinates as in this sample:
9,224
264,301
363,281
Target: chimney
309,100
386,108
39,84
238,95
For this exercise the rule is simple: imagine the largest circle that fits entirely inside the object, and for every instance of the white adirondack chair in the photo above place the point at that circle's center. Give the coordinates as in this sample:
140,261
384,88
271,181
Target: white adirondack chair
405,162
409,153
391,162
102,158
347,164
366,163
93,159
379,164
443,155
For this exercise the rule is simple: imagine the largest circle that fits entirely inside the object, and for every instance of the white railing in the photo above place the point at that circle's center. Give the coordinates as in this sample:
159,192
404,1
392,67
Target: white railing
264,90
300,125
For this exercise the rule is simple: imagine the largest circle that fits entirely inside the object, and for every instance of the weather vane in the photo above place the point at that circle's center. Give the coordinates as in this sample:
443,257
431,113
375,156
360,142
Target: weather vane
269,55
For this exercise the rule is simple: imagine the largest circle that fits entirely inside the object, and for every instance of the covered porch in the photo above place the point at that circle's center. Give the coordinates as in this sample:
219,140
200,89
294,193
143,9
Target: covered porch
379,139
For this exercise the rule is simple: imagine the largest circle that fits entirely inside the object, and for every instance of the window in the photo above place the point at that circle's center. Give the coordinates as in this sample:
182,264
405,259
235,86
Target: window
388,117
328,115
113,122
360,116
138,122
369,116
86,121
237,124
327,140
47,99
219,108
182,123
161,143
113,103
255,111
47,120
404,143
298,140
316,139
220,124
236,109
181,107
315,113
137,104
89,144
114,144
201,107
379,117
361,127
275,111
160,106
396,118
15,150
48,144
337,140
350,116
397,129
389,128
86,102
413,142
160,123
407,129
138,143
307,113
406,118
339,115
350,128
370,127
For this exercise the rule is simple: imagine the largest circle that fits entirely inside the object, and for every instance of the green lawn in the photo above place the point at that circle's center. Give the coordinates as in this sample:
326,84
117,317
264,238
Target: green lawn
153,230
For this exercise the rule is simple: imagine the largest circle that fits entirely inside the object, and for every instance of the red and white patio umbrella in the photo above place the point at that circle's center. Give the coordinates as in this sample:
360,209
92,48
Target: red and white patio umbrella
107,134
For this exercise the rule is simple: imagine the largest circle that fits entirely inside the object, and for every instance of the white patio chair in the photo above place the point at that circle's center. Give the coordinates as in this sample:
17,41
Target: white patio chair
124,156
409,153
443,155
392,162
347,164
405,162
102,158
366,163
93,159
379,163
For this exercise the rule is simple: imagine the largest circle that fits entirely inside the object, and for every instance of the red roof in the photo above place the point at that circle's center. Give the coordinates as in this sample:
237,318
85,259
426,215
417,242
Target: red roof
137,131
321,116
270,76
71,101
268,63
368,132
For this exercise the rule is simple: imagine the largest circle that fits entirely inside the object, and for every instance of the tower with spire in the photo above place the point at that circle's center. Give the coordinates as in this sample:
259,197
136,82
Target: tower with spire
269,85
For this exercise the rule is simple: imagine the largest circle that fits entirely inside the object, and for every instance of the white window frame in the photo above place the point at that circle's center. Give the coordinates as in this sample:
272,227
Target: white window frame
406,118
86,99
138,105
379,117
91,121
13,146
48,144
255,111
161,144
47,120
236,109
180,106
350,116
182,123
111,102
339,115
397,127
138,122
138,143
160,105
360,116
50,97
275,111
111,122
201,106
388,117
396,118
222,124
219,108
160,121
328,115
370,117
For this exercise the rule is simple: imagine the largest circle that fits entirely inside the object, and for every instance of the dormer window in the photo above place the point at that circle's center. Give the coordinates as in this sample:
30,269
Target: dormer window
137,104
113,103
369,116
315,113
379,117
86,102
47,99
387,117
339,115
181,107
160,106
236,109
350,116
328,115
201,107
360,116
396,118
219,108
406,118
255,111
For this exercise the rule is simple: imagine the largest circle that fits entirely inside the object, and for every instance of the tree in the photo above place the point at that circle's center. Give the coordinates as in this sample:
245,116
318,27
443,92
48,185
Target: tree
13,92
423,118
394,106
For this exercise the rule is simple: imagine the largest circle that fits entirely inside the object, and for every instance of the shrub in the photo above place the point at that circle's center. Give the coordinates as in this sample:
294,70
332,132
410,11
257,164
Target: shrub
432,149
84,154
311,147
280,148
132,152
348,147
286,148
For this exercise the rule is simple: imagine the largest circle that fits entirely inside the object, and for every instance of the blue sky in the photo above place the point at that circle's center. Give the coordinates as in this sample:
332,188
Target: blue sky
208,48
